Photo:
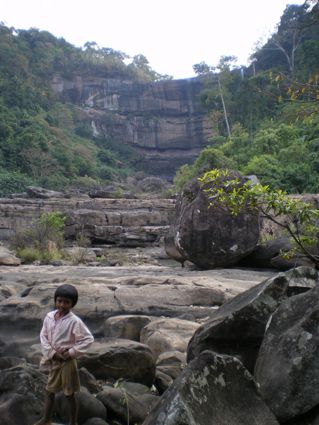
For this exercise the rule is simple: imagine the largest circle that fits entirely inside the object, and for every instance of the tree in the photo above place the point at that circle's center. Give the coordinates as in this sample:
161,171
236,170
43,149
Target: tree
284,50
226,63
298,218
202,68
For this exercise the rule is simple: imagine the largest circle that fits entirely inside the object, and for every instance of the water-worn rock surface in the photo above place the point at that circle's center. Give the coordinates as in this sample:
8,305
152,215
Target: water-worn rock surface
126,299
238,326
287,367
152,312
27,294
213,389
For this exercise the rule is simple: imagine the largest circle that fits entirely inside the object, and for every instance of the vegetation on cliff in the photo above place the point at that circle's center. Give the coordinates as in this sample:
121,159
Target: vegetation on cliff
43,140
267,114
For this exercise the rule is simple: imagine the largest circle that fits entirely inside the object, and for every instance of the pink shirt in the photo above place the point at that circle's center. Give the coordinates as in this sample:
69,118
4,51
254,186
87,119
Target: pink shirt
68,332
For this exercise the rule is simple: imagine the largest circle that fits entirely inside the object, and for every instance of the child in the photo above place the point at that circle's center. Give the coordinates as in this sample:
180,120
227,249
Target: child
64,337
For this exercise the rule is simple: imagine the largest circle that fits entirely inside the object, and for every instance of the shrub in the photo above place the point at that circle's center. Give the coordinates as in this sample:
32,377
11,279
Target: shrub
42,241
13,182
30,254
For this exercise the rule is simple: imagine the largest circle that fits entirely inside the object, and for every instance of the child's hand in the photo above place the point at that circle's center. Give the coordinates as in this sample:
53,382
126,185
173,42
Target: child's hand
66,355
57,356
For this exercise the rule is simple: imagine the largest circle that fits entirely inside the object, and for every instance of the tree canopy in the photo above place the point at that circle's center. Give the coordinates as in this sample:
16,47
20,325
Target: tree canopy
266,116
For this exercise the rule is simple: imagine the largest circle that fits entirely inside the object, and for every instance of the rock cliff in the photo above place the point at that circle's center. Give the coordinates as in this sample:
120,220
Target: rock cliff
122,222
164,121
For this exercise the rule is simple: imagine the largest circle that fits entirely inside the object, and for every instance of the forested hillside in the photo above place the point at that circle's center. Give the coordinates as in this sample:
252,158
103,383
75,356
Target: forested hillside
266,116
43,141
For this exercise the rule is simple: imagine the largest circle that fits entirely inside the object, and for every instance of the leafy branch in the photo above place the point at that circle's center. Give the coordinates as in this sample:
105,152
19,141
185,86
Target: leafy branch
298,218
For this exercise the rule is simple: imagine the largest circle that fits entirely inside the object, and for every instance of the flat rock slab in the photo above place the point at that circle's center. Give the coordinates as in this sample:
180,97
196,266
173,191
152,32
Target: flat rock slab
26,295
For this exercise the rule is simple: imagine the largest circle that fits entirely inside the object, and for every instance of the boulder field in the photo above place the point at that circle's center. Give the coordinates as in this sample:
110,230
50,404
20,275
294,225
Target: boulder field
173,346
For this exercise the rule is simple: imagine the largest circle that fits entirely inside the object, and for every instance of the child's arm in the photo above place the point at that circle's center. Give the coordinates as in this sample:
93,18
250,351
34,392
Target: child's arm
83,340
47,350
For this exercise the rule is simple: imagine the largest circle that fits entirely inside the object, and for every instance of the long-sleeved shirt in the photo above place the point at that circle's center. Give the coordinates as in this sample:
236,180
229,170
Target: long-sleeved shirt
66,333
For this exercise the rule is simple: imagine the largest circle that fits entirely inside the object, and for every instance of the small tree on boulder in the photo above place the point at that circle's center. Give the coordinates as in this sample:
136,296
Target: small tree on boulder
298,218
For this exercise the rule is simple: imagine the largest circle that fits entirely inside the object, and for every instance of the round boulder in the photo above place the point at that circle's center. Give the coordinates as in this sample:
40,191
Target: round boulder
120,358
168,334
209,235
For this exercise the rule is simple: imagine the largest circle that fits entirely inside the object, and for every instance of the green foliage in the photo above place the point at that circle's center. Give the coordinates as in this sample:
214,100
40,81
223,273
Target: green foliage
51,142
298,218
13,182
31,254
207,159
184,174
43,240
271,106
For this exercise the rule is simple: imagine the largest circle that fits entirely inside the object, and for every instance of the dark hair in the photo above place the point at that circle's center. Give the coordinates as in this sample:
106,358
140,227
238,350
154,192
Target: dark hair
67,291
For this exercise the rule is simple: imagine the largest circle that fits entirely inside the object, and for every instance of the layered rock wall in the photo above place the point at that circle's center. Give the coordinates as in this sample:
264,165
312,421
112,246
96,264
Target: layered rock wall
164,121
123,222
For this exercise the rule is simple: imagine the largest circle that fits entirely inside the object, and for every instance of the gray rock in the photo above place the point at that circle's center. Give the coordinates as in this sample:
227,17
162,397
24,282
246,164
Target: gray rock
165,121
125,326
89,407
8,362
18,409
135,388
287,367
168,334
209,236
40,192
301,279
237,327
171,363
120,358
162,381
22,390
125,406
8,258
95,421
213,389
104,292
88,381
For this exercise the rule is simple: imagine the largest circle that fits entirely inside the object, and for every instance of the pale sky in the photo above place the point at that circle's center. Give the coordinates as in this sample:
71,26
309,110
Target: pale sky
172,34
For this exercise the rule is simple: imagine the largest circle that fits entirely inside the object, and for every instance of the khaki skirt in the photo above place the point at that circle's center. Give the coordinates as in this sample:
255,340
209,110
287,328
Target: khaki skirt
63,376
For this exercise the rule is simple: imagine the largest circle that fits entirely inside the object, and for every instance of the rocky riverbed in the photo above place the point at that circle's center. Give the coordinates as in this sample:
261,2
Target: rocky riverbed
173,345
149,312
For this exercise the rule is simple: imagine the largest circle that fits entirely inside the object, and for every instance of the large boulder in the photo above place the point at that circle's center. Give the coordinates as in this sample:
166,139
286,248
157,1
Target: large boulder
120,358
89,407
8,258
287,367
40,192
168,334
127,326
213,389
237,327
269,254
210,236
124,406
22,390
171,363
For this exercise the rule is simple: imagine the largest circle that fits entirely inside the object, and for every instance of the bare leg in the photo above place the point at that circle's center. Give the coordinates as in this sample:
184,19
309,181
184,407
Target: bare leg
48,410
73,409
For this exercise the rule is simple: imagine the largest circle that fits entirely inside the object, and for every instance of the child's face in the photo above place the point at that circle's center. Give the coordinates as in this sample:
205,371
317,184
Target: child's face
63,305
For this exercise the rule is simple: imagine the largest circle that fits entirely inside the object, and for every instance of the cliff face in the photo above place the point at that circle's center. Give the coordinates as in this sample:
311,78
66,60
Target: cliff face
163,121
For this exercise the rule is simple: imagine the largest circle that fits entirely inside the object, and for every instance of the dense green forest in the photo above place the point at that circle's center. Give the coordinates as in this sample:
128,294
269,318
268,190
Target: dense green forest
43,141
267,114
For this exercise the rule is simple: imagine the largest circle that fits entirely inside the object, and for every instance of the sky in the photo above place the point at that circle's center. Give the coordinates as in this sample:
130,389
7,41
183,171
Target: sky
172,34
